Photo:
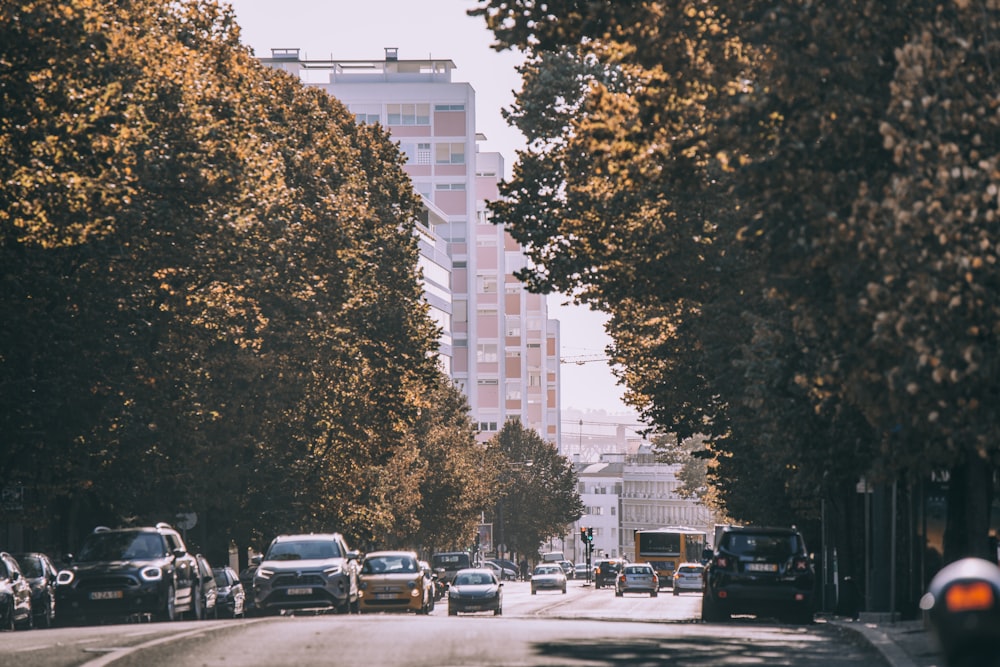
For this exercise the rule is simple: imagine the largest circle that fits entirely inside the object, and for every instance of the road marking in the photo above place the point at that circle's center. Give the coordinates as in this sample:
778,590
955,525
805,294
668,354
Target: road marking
114,653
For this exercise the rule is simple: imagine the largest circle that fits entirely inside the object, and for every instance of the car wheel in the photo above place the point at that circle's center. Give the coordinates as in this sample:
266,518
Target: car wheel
169,610
48,614
676,592
498,611
28,623
8,617
710,612
533,591
653,594
564,590
197,611
619,593
452,612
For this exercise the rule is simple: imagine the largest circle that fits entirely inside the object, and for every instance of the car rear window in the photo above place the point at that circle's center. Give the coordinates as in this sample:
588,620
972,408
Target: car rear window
761,545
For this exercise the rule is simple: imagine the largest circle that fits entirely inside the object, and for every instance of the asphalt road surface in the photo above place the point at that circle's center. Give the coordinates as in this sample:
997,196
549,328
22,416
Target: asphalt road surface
584,627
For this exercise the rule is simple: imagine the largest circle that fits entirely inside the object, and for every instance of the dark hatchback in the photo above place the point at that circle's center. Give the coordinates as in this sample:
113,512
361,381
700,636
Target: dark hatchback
129,571
41,573
760,571
606,571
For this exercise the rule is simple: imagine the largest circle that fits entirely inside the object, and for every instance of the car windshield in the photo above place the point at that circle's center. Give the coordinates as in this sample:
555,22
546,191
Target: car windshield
303,550
389,565
221,578
31,566
450,560
637,570
125,545
548,570
761,545
473,579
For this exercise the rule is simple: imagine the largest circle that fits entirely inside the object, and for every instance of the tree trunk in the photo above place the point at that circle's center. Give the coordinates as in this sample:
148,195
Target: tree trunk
970,495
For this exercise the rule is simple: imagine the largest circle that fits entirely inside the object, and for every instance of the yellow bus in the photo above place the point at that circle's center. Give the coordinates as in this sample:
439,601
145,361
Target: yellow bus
666,548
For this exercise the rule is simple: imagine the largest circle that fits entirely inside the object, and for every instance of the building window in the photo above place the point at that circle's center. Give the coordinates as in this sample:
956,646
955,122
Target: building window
449,153
408,114
513,391
534,379
487,426
449,107
486,353
450,186
366,113
488,382
486,284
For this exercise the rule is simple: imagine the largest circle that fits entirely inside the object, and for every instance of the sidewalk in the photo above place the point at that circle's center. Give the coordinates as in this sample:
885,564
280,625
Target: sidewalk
901,643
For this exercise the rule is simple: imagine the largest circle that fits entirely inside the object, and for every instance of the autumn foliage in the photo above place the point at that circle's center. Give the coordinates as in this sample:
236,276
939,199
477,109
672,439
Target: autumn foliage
210,296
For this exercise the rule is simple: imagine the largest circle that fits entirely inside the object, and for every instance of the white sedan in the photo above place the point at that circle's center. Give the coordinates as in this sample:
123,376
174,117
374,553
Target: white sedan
548,576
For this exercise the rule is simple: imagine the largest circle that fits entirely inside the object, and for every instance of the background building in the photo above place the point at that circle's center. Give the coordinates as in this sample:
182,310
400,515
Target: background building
504,348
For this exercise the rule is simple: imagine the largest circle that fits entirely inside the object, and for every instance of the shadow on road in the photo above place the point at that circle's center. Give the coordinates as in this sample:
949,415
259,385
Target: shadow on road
733,644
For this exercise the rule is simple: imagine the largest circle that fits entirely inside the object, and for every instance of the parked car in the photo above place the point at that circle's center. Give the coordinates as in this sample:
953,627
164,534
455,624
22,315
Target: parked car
689,577
309,571
447,563
246,579
394,581
580,571
606,571
15,595
431,582
637,578
129,571
41,573
231,602
548,576
762,571
508,564
567,567
209,590
503,574
475,589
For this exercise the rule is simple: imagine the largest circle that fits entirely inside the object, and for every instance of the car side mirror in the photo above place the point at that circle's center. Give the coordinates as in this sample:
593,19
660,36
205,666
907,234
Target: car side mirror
353,555
255,560
178,553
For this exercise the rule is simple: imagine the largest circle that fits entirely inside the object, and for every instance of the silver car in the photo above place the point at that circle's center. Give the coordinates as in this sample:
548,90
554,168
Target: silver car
548,576
307,572
688,577
637,578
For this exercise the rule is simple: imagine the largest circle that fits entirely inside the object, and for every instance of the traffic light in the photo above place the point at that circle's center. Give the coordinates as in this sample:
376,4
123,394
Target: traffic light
583,534
590,534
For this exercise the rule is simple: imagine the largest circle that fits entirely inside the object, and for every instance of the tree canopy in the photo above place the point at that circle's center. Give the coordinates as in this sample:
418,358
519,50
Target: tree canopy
789,211
210,293
536,495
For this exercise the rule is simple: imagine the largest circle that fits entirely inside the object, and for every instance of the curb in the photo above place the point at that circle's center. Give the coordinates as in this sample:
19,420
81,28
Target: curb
878,639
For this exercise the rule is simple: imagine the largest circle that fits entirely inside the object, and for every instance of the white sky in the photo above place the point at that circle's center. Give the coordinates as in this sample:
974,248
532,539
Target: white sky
361,30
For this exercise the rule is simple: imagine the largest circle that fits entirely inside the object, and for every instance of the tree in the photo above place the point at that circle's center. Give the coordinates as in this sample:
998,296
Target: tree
808,223
537,496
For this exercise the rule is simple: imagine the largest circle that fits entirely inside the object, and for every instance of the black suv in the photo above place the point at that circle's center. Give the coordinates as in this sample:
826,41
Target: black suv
306,572
606,571
761,571
129,571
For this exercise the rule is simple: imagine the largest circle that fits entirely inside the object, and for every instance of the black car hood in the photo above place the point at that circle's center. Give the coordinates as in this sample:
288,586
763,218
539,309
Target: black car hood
114,566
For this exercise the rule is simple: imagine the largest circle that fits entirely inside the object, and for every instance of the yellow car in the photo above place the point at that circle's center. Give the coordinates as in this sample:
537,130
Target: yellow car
394,581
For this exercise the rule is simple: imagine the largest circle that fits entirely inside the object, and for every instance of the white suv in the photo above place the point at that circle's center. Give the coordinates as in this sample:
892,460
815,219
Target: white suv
306,572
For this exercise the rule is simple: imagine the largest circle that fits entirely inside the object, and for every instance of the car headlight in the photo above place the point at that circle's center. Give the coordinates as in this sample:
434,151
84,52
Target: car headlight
264,573
151,574
333,570
65,577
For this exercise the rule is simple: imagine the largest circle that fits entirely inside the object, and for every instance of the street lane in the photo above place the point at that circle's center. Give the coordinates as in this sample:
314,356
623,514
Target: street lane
584,627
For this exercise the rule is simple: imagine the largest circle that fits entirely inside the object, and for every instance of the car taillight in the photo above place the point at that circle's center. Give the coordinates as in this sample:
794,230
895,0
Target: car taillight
721,561
621,578
801,564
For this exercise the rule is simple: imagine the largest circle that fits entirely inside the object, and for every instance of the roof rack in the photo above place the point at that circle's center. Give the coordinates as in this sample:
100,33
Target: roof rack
163,524
102,529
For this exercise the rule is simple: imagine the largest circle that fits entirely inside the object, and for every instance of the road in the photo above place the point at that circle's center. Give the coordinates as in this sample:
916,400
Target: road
584,627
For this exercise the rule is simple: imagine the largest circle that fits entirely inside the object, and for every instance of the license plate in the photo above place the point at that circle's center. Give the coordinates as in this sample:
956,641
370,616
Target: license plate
761,567
472,607
106,595
299,591
385,596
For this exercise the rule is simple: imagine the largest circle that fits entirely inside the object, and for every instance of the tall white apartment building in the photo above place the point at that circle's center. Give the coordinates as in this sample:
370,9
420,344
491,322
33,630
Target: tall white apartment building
504,348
